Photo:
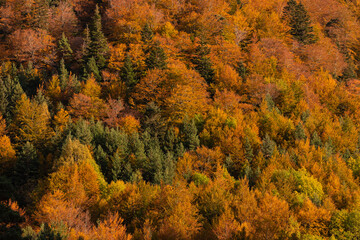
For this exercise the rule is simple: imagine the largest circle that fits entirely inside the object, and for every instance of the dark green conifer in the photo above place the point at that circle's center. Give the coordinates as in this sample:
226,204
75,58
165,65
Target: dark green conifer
147,34
203,63
190,137
64,47
300,132
249,153
156,57
98,46
268,147
63,75
85,47
299,21
127,73
316,140
92,68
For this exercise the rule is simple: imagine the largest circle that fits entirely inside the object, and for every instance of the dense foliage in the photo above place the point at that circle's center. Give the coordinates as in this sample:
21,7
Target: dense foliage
179,119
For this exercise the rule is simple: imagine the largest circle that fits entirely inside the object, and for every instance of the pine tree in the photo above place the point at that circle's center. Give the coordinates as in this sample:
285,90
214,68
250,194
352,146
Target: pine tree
203,63
268,147
65,50
92,68
127,73
10,93
190,138
316,140
147,34
63,75
85,47
27,166
249,153
299,21
98,46
300,132
156,57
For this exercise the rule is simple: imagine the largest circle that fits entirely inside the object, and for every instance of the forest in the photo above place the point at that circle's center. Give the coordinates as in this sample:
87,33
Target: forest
179,119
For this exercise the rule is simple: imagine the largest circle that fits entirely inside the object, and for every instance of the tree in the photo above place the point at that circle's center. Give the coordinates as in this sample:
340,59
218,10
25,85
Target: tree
31,122
268,146
299,21
147,34
300,132
98,46
127,74
65,51
203,63
190,137
92,68
63,75
156,57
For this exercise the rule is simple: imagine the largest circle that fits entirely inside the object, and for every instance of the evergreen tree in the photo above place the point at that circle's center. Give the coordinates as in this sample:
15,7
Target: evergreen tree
65,51
27,166
120,169
153,121
269,102
98,46
156,57
190,138
316,140
268,147
85,47
299,21
249,153
63,75
147,34
300,132
10,93
203,63
92,68
127,73
47,233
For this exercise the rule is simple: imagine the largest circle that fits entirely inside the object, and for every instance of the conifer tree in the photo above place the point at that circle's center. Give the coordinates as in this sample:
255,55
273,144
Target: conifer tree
156,57
189,130
316,140
65,50
127,73
63,75
10,93
249,153
299,21
27,166
92,68
85,47
300,132
268,147
147,34
203,63
98,46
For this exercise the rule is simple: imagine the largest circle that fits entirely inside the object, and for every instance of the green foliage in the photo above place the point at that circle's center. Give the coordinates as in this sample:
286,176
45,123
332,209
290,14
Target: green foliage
147,34
190,137
268,146
203,63
299,21
300,132
98,46
128,75
92,68
156,57
64,47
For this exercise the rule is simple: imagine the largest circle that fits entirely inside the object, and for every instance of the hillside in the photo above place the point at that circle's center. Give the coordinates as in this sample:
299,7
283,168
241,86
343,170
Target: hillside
179,119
